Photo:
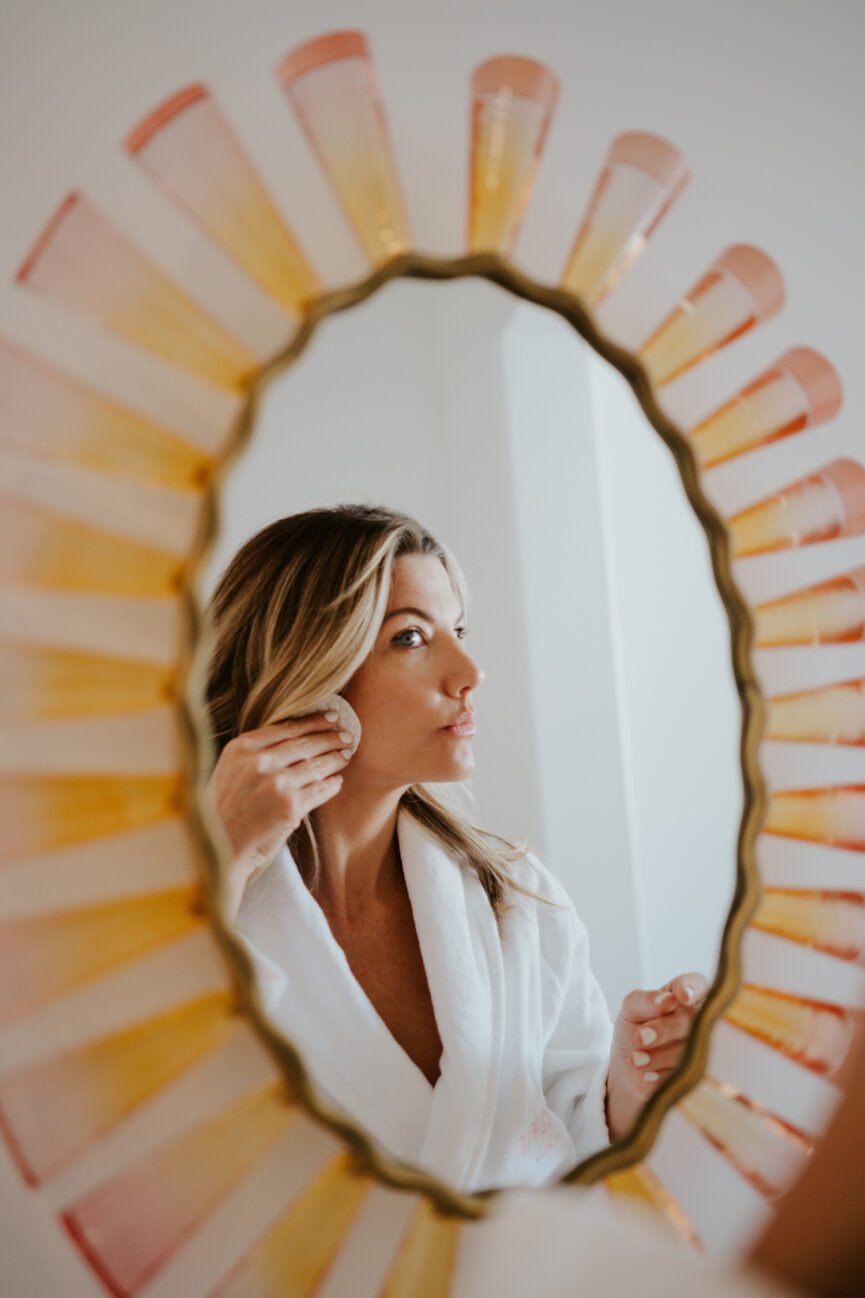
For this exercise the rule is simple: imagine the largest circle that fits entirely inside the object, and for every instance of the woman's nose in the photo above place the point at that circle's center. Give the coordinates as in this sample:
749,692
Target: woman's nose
466,675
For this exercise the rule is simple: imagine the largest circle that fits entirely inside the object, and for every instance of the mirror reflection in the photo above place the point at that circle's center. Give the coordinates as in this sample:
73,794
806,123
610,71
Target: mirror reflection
476,733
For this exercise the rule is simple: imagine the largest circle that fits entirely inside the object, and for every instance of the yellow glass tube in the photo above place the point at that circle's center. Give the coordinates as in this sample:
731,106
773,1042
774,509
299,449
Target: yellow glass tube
54,1110
828,921
188,148
641,177
82,262
38,683
765,1150
834,714
832,612
332,88
639,1184
821,507
513,100
424,1263
43,812
294,1256
802,389
834,815
47,413
46,956
129,1227
813,1033
740,289
40,548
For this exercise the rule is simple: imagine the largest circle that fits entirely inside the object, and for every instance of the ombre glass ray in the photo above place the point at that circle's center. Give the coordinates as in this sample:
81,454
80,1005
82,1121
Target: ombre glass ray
513,100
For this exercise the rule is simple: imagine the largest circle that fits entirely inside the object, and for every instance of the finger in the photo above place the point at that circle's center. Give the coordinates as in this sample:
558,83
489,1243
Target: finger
658,1060
296,751
322,791
650,1078
321,768
277,731
640,1006
661,1031
298,778
689,988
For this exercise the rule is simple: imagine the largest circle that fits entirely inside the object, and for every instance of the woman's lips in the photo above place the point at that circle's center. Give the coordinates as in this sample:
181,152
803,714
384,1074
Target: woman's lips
464,725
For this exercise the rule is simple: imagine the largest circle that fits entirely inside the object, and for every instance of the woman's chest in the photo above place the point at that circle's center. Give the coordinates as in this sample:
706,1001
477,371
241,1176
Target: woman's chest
384,955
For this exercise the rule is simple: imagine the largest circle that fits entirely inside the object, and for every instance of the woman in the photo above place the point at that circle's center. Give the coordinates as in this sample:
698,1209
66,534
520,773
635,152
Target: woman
435,977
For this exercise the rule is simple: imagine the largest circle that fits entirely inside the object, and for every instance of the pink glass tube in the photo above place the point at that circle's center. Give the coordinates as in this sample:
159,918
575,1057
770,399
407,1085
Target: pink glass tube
802,389
332,88
833,815
87,266
821,507
191,152
47,413
833,922
130,1226
52,1110
641,178
740,289
512,105
832,715
832,612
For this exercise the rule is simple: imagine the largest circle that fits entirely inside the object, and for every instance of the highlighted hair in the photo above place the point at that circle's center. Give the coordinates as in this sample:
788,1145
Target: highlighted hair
295,614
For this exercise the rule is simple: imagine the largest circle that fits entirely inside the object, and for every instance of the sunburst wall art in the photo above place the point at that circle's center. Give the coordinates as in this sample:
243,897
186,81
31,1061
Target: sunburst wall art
149,1108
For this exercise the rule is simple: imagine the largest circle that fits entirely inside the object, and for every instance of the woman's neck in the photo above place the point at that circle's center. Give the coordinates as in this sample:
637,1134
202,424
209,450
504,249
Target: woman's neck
358,852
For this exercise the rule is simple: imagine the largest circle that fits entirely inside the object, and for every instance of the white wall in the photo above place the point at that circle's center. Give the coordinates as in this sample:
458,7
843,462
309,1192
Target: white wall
679,711
576,701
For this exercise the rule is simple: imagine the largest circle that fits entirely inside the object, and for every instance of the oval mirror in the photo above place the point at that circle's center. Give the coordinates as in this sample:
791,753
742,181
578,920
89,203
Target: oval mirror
607,725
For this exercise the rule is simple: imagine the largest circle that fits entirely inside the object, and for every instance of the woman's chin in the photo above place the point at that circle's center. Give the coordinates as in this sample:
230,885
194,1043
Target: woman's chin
459,768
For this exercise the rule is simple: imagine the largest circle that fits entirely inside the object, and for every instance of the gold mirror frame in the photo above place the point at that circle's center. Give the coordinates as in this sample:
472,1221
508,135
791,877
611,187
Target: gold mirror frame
746,889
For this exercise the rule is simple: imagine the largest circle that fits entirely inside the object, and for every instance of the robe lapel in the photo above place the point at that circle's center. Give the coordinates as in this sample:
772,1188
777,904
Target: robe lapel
314,999
461,951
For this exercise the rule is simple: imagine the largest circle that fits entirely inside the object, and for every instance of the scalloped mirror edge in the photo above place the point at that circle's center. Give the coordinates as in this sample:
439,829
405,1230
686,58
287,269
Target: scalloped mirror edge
746,891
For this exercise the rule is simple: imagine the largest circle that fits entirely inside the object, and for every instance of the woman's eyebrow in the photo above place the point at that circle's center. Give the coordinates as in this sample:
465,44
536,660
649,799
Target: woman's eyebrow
418,612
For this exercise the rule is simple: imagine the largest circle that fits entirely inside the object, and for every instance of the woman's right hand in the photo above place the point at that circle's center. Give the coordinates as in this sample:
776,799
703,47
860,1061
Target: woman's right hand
266,781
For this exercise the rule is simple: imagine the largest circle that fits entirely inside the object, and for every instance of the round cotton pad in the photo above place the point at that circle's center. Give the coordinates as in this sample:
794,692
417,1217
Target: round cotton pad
348,718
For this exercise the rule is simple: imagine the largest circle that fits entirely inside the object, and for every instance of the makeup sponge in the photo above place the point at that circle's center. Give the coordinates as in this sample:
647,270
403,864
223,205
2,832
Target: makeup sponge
348,718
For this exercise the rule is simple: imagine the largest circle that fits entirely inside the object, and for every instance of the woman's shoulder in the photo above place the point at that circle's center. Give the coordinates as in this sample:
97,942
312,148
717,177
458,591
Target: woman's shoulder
529,873
542,900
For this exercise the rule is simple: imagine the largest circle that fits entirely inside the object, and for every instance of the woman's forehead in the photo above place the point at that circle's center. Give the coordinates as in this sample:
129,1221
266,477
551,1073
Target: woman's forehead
422,581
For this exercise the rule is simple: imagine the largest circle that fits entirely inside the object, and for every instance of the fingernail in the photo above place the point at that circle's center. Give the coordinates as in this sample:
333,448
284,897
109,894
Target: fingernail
650,1077
640,1058
690,994
345,736
661,997
345,752
647,1036
331,716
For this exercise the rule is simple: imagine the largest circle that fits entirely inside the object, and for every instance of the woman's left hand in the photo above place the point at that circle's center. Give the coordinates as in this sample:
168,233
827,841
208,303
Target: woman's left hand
649,1037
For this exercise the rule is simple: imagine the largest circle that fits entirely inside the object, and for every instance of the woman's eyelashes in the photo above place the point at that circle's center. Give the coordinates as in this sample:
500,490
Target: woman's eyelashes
402,642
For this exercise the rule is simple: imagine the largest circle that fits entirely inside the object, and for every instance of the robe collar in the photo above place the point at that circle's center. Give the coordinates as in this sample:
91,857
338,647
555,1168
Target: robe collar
346,1045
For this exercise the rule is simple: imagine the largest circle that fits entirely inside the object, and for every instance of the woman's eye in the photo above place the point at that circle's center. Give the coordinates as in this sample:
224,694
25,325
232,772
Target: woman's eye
462,632
411,638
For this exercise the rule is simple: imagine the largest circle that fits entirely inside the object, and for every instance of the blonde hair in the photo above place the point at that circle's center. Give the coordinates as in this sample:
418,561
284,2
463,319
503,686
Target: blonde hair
295,614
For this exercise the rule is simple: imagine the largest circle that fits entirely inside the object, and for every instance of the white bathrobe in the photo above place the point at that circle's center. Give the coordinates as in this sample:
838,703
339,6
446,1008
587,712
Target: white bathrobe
524,1026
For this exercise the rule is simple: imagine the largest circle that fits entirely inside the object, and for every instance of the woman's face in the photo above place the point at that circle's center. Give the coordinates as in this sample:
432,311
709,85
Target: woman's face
414,693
